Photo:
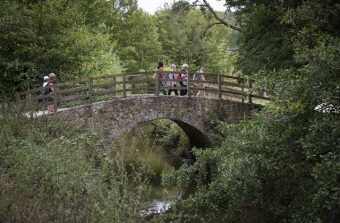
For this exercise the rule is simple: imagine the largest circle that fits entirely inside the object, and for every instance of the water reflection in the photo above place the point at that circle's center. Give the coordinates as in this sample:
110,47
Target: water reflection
154,207
159,146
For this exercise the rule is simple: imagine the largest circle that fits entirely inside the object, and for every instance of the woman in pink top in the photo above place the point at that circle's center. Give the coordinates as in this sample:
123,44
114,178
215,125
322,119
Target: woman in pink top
161,75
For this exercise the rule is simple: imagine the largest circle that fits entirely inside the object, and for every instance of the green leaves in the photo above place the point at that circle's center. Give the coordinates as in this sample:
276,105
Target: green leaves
137,42
53,36
188,36
283,164
54,170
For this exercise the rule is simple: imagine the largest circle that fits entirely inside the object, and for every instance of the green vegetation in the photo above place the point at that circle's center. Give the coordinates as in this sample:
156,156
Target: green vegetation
52,169
185,38
57,169
76,39
282,165
39,37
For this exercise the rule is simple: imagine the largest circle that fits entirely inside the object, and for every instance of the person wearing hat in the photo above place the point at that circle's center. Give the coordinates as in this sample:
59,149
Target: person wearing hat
51,83
43,92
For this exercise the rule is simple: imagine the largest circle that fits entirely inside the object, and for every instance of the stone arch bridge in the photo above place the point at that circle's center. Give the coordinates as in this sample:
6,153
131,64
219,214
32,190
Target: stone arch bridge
192,114
117,103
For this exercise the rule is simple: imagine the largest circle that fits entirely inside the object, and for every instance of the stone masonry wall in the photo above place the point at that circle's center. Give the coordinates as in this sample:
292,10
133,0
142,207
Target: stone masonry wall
191,113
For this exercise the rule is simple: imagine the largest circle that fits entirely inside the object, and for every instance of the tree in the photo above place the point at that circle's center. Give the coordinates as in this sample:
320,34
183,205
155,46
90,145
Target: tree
283,165
137,42
63,37
220,19
186,39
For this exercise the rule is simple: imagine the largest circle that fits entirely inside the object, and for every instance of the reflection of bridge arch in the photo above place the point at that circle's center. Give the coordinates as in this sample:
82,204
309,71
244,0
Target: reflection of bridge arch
115,117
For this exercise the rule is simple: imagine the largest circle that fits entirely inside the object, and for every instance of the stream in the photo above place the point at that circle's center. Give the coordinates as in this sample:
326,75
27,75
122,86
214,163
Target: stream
159,157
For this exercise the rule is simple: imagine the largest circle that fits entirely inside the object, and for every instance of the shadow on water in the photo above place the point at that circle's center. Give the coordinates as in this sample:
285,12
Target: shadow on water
158,145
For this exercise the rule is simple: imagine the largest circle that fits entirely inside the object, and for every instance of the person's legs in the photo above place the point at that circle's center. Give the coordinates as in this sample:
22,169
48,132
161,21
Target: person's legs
185,90
181,93
162,88
50,107
175,90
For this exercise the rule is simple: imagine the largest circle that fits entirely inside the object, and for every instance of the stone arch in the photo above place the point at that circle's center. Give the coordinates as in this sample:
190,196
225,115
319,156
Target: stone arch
190,113
197,138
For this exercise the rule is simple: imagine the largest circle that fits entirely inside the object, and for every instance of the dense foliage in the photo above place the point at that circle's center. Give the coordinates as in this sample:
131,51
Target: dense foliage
76,39
54,169
137,42
188,37
284,164
64,37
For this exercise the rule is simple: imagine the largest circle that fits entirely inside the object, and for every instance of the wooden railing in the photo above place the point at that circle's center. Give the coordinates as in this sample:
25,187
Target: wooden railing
99,88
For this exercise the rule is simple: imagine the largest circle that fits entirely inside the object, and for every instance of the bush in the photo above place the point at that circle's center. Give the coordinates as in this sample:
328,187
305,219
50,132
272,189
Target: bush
53,169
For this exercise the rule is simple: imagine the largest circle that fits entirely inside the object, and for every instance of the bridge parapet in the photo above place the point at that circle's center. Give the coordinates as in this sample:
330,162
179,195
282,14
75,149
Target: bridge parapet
109,87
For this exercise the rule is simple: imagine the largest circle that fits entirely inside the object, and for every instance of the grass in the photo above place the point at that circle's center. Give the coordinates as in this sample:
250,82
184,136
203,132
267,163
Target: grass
52,169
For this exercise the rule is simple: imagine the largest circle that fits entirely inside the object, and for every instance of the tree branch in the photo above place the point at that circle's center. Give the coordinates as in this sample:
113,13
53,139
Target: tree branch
209,26
217,17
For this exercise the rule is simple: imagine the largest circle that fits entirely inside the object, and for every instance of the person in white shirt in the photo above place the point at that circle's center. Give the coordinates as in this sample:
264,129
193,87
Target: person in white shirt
172,83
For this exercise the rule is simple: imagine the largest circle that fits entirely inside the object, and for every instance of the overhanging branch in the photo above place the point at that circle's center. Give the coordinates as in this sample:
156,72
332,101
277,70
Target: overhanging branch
209,26
206,4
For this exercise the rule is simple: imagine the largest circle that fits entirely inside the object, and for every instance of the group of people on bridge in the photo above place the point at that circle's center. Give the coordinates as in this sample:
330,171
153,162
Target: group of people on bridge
181,77
171,78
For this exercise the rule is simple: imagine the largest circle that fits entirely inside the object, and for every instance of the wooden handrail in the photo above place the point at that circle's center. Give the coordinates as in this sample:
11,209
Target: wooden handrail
124,84
157,79
219,87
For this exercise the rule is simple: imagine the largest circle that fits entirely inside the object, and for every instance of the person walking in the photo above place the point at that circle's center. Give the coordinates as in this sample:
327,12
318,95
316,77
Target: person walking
172,80
161,75
184,82
199,76
43,93
44,90
51,85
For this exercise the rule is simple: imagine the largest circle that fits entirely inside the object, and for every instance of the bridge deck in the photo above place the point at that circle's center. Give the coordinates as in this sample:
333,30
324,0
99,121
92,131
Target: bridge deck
110,87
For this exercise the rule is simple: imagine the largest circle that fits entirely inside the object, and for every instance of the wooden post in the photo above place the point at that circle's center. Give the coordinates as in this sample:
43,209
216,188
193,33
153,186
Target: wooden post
242,89
18,101
17,98
250,92
114,87
157,84
89,98
124,85
144,84
219,87
188,85
90,90
55,97
28,99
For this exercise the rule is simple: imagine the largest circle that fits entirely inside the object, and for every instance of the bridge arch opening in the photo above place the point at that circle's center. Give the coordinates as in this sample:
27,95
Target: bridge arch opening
196,137
150,144
176,138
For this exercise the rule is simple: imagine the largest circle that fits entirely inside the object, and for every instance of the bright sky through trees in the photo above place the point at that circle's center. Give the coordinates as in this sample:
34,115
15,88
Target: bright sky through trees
151,6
